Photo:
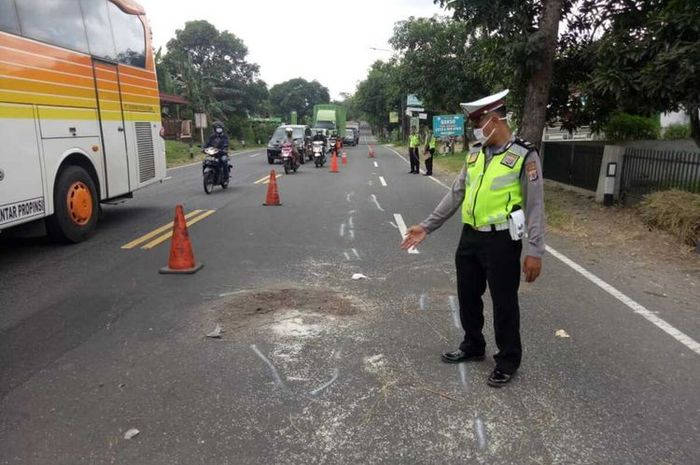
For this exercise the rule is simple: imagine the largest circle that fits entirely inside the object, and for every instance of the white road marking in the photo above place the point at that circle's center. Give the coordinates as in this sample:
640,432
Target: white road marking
254,155
342,230
376,165
402,229
454,305
351,233
324,386
422,301
636,307
356,254
374,199
463,374
381,179
350,222
168,178
275,374
480,432
348,196
347,256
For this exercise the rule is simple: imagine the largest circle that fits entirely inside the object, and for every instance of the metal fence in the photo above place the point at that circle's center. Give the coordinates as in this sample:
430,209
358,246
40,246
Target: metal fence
574,164
646,170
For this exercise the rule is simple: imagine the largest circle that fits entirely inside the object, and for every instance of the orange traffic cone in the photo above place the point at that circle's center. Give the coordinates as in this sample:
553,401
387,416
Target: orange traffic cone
371,152
273,196
334,163
181,256
345,158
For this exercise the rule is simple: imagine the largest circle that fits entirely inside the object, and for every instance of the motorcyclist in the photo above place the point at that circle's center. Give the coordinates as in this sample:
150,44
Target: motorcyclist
218,139
289,141
320,137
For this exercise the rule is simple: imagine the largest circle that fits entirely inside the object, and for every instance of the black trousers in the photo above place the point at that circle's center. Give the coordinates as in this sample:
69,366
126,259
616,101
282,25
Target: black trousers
493,258
429,162
415,161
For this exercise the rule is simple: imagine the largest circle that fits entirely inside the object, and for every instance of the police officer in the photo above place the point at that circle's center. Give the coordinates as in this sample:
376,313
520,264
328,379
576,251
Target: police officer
430,153
501,175
413,144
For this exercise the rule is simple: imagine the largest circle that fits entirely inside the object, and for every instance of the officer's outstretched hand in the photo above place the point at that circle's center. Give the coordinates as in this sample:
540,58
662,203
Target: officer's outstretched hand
532,268
414,236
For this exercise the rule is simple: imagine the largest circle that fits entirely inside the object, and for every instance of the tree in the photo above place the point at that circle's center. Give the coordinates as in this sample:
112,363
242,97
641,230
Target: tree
297,95
210,68
436,63
380,93
521,36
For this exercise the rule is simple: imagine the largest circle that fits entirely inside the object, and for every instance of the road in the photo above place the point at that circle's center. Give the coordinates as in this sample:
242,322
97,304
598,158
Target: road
313,366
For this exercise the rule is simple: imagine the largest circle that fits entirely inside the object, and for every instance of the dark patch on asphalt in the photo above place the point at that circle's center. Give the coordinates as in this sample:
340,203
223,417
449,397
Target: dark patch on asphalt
240,309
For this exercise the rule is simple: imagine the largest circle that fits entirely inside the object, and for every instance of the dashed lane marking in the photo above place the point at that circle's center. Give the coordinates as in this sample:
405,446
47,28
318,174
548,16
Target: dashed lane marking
402,229
382,180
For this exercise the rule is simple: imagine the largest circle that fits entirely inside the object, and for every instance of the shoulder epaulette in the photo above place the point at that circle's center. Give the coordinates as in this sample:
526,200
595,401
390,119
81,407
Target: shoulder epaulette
476,148
523,147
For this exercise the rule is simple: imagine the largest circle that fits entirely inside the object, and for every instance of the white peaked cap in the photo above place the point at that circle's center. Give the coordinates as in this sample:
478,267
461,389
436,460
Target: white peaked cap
484,105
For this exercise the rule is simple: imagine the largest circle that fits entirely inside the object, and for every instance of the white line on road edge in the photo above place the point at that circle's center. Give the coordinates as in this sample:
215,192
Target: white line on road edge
167,178
376,165
402,229
422,171
342,230
374,199
636,307
455,312
254,155
275,375
347,256
381,179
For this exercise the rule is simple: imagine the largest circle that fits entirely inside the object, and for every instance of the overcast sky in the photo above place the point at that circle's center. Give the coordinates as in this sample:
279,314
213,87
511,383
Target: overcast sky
282,35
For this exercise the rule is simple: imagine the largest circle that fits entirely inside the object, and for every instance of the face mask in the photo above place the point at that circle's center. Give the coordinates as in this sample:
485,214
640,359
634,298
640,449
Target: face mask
479,132
219,130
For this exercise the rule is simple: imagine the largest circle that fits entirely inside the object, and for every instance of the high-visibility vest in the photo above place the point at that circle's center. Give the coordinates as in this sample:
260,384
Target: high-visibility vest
431,143
491,192
414,141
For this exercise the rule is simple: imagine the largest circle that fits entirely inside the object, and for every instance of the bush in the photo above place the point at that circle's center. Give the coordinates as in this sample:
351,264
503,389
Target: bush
622,127
675,211
677,131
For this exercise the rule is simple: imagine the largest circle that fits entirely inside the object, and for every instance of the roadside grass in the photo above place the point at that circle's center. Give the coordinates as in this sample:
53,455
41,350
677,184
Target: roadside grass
675,211
178,153
450,162
555,210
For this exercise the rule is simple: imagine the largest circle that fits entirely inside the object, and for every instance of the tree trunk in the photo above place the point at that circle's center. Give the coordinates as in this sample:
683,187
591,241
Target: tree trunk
694,123
537,94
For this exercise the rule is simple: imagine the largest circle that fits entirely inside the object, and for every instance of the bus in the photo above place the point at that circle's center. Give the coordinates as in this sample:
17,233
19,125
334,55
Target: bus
79,111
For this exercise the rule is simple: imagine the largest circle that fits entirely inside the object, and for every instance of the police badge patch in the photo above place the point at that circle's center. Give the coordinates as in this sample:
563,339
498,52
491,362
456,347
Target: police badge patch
509,160
532,174
472,158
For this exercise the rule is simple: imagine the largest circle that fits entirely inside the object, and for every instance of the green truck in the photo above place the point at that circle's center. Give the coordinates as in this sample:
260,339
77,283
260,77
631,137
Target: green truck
330,117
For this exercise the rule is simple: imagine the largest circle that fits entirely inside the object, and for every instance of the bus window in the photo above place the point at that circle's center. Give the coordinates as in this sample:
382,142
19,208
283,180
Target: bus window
99,30
57,22
129,37
8,17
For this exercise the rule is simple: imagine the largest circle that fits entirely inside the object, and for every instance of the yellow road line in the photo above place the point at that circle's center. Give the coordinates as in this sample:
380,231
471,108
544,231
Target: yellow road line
154,233
261,179
166,236
266,179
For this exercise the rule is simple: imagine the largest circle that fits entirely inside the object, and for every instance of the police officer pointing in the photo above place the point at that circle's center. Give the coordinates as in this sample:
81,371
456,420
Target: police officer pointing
500,192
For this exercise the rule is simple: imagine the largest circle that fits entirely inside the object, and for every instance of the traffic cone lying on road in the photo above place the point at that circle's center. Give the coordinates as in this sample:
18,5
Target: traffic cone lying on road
273,196
181,256
345,158
334,163
371,152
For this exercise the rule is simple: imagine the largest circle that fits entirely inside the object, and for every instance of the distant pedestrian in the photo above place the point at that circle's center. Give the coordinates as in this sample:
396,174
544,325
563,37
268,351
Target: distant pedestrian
429,152
413,148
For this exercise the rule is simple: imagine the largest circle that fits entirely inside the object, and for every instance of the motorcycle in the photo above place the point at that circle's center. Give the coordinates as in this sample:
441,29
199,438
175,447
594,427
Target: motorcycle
331,144
288,160
308,149
212,173
319,154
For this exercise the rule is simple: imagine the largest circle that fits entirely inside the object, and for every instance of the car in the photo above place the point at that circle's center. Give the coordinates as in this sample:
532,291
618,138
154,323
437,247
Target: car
274,149
349,138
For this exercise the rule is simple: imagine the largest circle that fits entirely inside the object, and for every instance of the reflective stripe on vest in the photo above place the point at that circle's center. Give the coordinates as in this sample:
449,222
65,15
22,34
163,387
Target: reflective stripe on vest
492,191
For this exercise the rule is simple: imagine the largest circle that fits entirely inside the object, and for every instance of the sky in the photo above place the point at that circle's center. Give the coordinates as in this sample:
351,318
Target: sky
302,38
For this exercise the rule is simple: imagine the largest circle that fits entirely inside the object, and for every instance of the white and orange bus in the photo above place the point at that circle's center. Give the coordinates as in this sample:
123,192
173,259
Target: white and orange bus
79,111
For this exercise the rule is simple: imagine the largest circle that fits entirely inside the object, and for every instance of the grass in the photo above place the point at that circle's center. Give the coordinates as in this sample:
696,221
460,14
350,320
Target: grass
555,210
675,211
450,163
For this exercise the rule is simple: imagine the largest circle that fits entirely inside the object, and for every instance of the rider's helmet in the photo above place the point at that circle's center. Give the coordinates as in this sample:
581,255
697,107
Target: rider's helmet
288,131
319,132
218,127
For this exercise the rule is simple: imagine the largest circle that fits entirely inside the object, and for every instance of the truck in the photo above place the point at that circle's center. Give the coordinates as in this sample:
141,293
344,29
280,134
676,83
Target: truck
330,117
355,126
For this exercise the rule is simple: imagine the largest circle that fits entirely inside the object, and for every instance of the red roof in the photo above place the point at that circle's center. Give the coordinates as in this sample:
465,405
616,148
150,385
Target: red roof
170,98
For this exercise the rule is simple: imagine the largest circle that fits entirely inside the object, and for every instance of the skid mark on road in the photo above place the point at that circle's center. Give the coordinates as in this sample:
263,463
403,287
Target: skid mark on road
376,202
325,385
273,370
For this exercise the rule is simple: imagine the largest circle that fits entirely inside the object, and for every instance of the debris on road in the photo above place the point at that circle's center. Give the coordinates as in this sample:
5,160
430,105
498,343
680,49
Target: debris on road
561,333
357,276
132,433
216,333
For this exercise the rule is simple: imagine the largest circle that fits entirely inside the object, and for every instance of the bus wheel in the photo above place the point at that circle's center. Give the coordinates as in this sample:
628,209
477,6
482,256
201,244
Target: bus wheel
75,206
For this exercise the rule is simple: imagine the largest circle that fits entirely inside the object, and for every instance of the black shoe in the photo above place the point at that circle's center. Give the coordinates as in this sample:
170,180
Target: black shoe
499,378
411,172
416,172
459,356
428,174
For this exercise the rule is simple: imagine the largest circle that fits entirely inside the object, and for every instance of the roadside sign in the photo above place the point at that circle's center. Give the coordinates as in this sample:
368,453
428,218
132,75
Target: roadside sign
423,115
448,125
393,117
200,120
412,100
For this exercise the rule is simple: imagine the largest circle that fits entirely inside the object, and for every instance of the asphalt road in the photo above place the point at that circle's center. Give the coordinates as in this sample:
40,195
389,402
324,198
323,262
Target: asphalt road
313,366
